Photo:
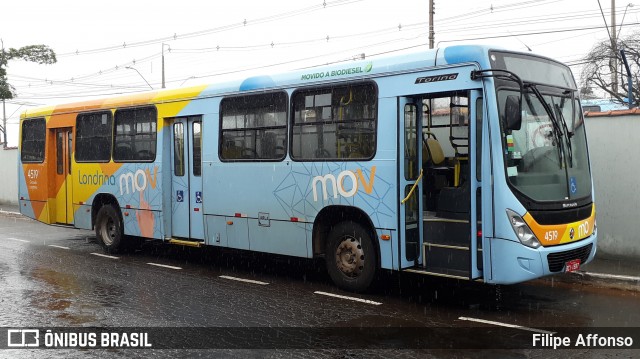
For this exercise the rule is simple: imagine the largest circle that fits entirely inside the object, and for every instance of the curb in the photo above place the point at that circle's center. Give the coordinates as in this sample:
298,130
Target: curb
12,214
599,280
624,282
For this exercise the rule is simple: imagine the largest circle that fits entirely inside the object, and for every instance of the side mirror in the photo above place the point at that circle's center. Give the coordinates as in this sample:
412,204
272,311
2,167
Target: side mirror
513,113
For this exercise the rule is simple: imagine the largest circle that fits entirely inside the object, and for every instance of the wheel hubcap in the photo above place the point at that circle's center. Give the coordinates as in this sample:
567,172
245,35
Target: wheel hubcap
108,231
350,257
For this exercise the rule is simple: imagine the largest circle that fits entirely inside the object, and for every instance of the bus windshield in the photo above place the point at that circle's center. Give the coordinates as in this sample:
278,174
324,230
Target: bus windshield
546,157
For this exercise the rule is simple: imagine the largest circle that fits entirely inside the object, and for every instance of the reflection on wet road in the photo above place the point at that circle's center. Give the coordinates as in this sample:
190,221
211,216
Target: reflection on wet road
52,277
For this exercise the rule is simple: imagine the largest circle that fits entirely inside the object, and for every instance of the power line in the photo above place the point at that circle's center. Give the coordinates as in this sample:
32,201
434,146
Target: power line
255,46
222,28
402,28
531,33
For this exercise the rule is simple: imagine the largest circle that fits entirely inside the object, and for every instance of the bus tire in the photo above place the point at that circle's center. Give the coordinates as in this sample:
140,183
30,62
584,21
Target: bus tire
351,257
109,229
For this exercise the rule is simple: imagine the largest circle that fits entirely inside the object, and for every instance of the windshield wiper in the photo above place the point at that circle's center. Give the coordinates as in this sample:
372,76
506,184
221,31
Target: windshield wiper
557,132
567,137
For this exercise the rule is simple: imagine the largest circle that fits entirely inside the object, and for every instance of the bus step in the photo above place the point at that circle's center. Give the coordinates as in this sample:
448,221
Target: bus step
440,273
183,242
447,259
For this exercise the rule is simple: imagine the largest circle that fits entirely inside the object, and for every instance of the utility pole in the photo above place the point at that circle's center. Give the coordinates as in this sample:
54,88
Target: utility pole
432,34
4,125
163,45
613,63
4,111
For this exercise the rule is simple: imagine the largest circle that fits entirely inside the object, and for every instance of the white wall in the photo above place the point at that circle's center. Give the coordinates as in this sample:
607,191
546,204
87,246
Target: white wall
614,148
9,176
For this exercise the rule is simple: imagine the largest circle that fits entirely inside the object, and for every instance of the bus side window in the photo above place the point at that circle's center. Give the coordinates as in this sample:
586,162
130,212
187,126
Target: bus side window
135,135
33,140
253,127
334,123
93,137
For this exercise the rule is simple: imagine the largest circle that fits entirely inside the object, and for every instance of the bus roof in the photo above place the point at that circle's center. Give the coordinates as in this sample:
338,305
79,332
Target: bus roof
322,74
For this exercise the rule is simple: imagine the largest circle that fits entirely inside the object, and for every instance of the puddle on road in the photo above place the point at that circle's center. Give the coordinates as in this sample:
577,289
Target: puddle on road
65,296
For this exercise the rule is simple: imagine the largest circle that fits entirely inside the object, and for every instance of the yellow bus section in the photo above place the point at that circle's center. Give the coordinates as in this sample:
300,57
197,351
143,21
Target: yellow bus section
54,200
551,235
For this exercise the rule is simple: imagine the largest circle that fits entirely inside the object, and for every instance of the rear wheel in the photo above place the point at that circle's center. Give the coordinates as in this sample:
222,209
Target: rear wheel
109,229
351,257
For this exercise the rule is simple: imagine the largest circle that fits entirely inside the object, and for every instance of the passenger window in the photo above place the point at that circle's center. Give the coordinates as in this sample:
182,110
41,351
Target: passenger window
93,137
33,139
334,123
253,127
135,135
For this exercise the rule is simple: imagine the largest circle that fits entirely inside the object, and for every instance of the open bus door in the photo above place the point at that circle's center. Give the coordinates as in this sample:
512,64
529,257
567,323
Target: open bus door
451,219
410,181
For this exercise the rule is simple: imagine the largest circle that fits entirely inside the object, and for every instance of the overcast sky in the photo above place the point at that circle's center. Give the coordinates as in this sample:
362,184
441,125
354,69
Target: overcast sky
209,41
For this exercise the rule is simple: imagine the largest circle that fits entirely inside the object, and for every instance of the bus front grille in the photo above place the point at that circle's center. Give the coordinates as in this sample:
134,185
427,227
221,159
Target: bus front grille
558,260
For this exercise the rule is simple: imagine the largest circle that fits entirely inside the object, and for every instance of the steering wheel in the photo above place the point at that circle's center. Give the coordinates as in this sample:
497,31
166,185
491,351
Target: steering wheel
542,135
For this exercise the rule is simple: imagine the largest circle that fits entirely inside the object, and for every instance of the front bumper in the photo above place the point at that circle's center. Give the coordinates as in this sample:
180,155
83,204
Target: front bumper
512,262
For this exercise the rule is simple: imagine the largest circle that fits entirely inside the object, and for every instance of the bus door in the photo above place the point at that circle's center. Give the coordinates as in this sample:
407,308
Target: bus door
452,242
410,185
186,178
63,183
476,125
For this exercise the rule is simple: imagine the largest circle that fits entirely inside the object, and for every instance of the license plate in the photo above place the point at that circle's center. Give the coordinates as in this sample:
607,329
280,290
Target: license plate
572,266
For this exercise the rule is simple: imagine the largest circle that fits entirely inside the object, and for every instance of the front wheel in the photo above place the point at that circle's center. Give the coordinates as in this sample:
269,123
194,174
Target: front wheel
351,257
109,229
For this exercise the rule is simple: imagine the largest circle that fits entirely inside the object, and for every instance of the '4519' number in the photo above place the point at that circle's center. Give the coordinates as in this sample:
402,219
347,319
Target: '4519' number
551,236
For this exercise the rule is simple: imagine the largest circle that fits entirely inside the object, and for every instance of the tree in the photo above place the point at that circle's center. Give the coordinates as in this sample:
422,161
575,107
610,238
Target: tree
40,54
597,73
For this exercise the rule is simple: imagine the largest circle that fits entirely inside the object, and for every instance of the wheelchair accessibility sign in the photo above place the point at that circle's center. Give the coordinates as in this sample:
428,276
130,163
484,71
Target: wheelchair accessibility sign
179,196
198,197
573,185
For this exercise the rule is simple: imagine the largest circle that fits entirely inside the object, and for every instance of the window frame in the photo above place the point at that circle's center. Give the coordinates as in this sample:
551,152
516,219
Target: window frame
178,152
110,138
196,164
222,130
332,86
44,140
154,110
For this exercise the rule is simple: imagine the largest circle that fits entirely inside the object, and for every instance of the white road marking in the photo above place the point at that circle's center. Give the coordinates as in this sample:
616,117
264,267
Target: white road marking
366,301
163,266
244,280
105,256
491,322
61,247
18,240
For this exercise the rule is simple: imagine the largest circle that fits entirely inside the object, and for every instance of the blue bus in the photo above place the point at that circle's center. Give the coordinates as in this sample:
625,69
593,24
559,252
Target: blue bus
467,162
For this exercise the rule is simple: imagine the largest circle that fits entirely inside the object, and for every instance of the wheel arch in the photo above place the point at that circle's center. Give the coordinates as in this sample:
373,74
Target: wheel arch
100,200
332,215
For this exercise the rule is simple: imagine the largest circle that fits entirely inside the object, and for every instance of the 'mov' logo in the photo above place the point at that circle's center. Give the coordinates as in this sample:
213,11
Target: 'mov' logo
338,186
138,180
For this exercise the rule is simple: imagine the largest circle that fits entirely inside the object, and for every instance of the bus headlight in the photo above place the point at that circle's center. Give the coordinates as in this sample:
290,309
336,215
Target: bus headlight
523,232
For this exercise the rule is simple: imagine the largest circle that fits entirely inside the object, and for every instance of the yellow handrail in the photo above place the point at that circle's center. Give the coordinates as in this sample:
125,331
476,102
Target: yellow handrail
412,188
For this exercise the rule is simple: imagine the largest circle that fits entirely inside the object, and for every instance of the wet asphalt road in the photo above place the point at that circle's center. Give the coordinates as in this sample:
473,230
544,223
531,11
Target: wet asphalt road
55,277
